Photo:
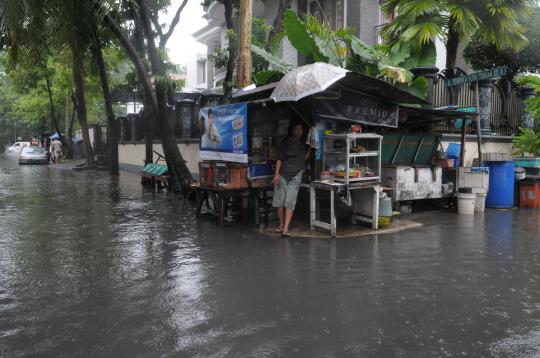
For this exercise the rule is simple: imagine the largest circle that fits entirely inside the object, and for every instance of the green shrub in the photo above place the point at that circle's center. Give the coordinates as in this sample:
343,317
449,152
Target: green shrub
527,143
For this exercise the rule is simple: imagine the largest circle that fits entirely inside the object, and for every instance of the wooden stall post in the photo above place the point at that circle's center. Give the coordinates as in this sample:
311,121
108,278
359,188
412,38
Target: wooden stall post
478,123
463,134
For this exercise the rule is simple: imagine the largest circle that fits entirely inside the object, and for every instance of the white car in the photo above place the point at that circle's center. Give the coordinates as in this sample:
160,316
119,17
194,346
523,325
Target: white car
17,147
33,155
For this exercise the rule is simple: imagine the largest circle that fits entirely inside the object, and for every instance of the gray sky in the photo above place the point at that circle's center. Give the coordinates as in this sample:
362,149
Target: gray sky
182,47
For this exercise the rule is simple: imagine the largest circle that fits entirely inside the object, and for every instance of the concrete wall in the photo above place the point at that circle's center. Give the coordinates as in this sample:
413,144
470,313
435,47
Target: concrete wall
369,18
495,145
364,16
131,155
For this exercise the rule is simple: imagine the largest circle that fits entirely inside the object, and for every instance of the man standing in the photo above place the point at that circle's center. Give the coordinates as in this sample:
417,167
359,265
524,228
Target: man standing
292,157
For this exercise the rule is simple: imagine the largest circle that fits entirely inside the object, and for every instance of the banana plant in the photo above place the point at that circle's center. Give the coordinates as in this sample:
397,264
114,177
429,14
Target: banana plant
319,43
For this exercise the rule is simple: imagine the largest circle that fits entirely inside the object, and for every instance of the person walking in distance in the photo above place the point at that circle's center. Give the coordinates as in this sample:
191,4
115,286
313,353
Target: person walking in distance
56,151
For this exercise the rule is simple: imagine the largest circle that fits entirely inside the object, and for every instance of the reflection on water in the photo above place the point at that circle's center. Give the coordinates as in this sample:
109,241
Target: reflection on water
90,267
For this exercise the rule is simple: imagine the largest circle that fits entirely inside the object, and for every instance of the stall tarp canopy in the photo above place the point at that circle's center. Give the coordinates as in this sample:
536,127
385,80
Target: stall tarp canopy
357,108
378,88
428,116
353,81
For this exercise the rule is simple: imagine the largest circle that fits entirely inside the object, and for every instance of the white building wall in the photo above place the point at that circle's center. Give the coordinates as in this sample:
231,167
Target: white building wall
441,54
131,155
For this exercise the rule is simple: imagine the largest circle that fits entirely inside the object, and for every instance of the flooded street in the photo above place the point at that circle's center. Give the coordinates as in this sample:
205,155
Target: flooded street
90,268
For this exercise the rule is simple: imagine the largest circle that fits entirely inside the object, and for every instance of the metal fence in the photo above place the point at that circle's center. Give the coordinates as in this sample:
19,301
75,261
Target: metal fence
506,105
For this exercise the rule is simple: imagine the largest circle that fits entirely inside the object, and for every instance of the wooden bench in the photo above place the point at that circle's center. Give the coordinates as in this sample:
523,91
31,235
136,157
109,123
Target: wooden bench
156,175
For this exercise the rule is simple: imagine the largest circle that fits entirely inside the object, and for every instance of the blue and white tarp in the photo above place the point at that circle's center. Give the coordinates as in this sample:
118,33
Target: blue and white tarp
225,133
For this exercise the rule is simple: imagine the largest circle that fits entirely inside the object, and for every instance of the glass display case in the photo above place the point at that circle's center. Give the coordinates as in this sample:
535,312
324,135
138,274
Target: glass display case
352,157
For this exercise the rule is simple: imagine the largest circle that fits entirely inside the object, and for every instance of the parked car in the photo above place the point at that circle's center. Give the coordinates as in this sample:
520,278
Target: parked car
34,155
16,147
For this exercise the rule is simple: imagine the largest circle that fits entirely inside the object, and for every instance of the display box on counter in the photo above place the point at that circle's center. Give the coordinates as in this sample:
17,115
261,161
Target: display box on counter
206,174
230,175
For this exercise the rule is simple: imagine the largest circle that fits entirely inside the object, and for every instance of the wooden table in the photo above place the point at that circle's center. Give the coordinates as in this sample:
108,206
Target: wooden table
333,187
220,197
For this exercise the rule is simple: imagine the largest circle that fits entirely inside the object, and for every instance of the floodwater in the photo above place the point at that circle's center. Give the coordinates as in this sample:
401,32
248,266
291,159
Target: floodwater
89,268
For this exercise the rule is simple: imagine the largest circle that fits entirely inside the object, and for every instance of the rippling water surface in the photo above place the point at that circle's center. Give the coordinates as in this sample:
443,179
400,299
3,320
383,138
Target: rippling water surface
92,268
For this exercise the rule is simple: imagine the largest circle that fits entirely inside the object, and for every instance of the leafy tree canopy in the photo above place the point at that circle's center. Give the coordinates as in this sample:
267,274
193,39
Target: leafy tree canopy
481,55
420,22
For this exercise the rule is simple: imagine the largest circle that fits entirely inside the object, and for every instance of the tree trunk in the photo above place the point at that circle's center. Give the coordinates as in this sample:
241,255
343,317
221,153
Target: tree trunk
53,121
78,76
277,25
227,82
174,158
138,36
69,128
245,65
67,110
452,44
149,136
112,142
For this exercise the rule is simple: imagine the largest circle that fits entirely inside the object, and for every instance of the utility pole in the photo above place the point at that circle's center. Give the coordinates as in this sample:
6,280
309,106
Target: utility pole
244,67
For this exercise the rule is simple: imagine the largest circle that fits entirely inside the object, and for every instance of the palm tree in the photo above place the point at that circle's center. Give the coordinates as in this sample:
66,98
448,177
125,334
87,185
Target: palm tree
420,22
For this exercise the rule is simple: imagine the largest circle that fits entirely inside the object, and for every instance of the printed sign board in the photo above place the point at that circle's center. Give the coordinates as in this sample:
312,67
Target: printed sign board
224,133
359,109
479,76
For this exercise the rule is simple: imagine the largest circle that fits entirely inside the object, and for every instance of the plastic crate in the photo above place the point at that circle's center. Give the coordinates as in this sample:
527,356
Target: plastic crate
453,151
257,170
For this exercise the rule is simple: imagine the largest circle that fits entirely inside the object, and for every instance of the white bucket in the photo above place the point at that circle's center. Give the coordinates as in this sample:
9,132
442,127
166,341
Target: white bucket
466,203
480,203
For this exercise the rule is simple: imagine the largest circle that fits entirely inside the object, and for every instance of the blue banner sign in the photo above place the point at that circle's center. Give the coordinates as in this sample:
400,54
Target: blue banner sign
224,133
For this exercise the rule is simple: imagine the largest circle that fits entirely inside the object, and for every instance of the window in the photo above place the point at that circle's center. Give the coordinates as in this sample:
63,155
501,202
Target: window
329,11
201,71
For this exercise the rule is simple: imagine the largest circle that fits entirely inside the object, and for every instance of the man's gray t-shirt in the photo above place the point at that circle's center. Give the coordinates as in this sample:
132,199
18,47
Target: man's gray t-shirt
292,154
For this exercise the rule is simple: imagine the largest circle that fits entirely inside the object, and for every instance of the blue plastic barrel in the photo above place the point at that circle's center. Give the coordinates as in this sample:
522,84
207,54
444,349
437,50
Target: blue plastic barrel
501,185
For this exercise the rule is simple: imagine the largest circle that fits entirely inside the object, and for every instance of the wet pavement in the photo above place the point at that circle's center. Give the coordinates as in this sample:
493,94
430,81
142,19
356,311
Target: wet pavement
90,268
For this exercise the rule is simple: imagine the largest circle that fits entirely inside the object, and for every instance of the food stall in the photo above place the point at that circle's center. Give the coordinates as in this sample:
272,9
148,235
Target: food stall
414,165
345,123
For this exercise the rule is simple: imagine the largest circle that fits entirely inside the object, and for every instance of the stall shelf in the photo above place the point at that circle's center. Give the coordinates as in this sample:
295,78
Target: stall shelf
358,151
333,187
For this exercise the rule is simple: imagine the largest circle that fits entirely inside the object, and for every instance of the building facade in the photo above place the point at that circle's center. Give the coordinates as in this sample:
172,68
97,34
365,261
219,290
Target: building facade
364,16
